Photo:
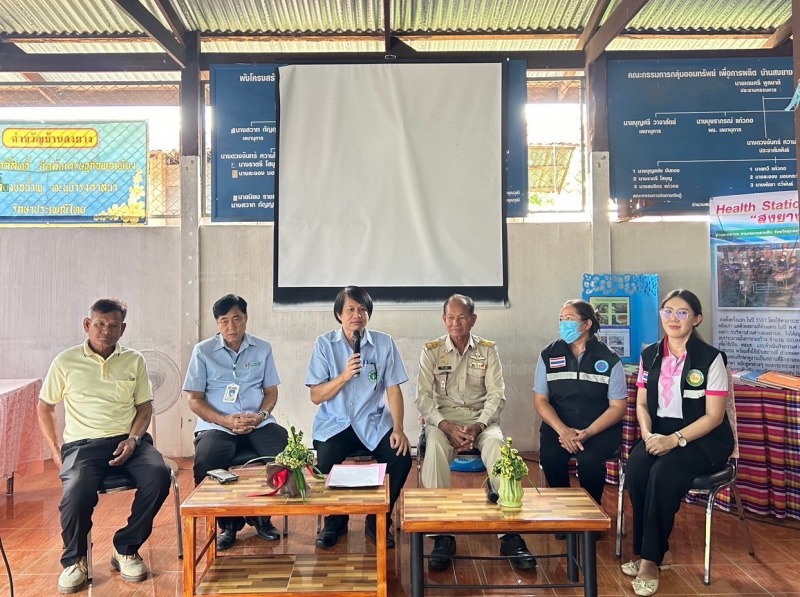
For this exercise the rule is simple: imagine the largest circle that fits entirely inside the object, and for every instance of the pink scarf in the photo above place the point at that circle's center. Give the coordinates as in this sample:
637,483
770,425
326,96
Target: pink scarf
671,367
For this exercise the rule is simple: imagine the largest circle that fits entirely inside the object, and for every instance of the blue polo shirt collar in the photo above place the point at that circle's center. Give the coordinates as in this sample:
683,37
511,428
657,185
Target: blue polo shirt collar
220,342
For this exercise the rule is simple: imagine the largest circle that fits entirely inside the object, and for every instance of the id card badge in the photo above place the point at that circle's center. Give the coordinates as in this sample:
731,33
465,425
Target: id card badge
231,393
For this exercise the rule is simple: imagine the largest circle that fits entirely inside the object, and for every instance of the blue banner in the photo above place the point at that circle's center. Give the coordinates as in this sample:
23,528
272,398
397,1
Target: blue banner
77,172
683,131
516,97
244,142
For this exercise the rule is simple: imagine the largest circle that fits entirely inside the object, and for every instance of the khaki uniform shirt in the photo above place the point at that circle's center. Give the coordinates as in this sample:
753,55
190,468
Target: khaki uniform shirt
449,382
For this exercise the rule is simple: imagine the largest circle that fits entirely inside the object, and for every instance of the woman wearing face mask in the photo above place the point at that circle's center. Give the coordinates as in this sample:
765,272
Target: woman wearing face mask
579,392
680,406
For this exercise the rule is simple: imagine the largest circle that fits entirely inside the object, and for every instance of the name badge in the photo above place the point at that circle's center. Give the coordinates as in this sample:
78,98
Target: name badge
231,393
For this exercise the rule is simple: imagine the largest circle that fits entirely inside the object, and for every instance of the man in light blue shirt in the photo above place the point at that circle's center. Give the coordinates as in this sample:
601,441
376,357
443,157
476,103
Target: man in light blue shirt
349,386
232,387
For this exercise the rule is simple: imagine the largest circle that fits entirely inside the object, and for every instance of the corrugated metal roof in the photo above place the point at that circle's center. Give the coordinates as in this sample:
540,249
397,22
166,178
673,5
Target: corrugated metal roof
409,17
711,15
284,16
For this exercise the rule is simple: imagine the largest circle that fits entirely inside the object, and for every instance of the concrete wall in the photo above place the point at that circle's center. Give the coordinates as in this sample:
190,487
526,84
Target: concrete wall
51,275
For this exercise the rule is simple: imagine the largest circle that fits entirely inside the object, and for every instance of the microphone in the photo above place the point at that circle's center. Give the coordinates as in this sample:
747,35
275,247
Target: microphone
357,346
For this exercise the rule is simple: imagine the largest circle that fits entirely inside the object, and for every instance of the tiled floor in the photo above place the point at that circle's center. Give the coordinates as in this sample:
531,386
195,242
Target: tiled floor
30,534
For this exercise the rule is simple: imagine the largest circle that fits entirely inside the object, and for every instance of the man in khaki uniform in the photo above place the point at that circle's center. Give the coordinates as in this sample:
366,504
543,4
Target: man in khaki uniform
461,393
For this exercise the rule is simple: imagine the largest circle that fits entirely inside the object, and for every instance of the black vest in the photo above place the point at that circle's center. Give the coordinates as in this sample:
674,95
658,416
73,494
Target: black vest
718,443
579,392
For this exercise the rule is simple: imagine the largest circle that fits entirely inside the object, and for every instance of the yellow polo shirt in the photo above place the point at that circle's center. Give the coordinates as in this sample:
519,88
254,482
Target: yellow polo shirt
100,395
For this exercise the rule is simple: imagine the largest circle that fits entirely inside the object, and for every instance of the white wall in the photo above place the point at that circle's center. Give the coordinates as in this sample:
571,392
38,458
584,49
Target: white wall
51,275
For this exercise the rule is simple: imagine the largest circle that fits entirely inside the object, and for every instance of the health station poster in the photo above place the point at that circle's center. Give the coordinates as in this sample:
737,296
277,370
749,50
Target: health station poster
754,253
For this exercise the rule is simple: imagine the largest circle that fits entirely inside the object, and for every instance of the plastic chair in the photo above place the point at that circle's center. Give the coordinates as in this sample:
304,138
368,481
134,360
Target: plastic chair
711,485
616,456
120,481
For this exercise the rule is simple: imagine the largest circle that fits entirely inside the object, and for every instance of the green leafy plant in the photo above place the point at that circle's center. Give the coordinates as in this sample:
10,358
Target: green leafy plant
295,458
511,465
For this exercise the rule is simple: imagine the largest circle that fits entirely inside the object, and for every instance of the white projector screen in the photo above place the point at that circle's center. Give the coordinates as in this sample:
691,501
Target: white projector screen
390,177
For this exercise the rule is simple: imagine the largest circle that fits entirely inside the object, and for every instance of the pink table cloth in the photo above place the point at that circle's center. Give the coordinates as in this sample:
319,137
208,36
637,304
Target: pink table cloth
22,446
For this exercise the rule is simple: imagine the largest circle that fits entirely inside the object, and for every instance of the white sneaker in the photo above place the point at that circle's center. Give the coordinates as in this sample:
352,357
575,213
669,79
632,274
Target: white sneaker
131,568
73,578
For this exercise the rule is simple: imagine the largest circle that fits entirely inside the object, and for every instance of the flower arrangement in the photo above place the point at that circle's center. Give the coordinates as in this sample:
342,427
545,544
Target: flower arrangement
286,474
510,465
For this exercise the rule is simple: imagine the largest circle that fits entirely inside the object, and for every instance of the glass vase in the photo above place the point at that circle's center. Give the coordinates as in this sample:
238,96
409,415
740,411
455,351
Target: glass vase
510,493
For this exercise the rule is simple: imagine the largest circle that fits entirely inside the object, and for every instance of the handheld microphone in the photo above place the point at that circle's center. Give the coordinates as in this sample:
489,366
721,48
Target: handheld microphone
357,346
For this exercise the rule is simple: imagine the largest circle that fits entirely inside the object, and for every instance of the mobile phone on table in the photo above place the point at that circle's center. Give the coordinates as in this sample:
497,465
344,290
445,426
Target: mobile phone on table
222,476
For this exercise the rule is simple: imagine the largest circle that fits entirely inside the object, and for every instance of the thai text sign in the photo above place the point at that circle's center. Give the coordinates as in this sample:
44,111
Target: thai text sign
73,172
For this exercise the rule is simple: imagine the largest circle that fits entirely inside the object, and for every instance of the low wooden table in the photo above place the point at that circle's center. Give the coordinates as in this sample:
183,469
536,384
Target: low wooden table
361,575
453,511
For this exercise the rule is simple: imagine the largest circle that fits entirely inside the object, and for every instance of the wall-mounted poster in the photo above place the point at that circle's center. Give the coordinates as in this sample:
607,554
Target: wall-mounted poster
614,315
627,310
684,130
73,172
754,266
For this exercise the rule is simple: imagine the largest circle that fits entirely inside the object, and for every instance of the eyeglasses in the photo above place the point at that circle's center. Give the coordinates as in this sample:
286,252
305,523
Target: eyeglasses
680,314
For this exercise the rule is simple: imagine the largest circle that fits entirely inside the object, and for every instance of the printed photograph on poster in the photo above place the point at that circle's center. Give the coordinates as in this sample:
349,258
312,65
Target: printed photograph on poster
617,339
754,253
758,275
612,310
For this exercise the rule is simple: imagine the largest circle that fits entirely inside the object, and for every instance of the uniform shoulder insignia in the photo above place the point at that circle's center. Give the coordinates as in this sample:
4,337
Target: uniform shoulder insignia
433,344
485,342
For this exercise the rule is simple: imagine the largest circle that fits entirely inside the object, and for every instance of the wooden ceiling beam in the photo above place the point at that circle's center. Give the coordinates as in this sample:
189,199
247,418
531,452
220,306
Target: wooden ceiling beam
593,24
781,35
173,20
176,48
615,24
85,63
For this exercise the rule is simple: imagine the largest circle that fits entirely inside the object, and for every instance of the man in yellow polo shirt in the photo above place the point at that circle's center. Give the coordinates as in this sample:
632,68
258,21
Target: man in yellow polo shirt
108,403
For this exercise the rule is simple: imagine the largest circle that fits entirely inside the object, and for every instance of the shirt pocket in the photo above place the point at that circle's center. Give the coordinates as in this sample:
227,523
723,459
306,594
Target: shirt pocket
125,390
476,378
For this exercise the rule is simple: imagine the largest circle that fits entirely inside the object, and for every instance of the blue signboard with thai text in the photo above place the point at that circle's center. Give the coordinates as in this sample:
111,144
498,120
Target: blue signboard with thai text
683,131
244,142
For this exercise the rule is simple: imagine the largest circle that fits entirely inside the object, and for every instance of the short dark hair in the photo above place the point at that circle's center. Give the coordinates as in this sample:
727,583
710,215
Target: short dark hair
354,293
228,302
109,305
468,303
585,312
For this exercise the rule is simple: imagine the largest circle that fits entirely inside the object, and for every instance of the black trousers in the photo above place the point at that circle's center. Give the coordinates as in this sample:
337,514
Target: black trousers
657,486
85,463
216,449
336,449
591,461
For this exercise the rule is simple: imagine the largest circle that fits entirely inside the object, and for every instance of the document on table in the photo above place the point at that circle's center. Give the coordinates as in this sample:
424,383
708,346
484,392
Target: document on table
356,475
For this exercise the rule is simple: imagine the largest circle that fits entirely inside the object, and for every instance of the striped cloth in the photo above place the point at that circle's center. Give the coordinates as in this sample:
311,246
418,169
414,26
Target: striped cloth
768,426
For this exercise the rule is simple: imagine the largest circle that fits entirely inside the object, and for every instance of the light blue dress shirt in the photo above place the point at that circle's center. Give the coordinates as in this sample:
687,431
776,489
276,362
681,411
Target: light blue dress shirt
214,366
359,404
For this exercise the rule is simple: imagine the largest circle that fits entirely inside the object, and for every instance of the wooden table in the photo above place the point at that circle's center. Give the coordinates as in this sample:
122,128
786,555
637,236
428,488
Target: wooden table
21,442
361,575
453,511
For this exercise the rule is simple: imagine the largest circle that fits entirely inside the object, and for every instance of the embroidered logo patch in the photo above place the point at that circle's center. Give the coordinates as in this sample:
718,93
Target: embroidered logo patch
556,362
695,378
601,366
373,376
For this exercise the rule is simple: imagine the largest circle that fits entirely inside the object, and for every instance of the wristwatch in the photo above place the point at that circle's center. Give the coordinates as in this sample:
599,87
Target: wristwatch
681,439
264,414
137,439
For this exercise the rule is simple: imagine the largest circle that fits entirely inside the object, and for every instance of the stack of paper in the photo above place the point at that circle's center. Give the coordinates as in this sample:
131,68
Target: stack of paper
356,475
